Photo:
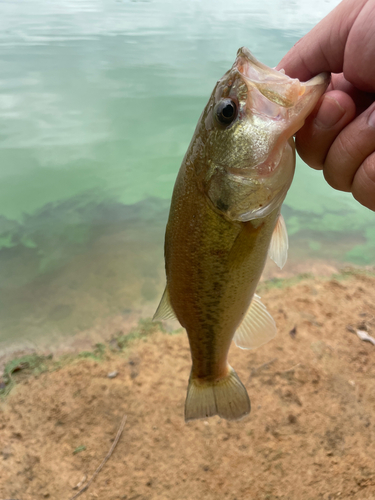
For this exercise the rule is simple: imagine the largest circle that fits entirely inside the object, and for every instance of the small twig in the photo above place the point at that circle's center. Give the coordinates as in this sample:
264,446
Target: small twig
259,368
290,369
82,481
106,458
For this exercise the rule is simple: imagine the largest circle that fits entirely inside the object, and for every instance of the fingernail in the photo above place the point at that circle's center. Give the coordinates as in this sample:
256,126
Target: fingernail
330,112
371,119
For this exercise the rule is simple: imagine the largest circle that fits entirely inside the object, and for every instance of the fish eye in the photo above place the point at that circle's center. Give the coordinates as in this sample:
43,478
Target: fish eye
226,111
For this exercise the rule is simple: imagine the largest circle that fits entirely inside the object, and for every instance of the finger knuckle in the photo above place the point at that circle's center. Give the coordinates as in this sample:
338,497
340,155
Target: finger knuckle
341,163
363,188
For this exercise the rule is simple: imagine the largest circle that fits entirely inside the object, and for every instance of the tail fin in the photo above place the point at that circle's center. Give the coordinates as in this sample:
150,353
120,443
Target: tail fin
226,397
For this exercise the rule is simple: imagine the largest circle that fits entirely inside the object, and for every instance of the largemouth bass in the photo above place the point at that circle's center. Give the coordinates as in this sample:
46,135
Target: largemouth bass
224,220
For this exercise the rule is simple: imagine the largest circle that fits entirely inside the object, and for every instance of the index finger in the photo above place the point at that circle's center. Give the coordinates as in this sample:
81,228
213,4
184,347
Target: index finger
323,48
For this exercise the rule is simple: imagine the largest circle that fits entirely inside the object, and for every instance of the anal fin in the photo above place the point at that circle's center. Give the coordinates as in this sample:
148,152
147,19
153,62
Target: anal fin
257,328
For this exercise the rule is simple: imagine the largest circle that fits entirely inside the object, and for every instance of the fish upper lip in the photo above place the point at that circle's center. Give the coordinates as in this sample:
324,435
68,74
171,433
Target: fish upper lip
277,87
275,74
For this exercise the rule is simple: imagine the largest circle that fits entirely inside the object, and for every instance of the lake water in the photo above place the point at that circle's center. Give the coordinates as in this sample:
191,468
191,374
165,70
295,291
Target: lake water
98,103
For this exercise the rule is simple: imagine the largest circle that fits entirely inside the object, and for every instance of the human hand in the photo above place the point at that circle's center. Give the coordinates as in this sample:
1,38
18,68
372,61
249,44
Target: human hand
339,136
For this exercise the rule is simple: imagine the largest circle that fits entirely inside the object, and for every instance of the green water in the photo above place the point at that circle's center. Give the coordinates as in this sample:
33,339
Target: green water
98,103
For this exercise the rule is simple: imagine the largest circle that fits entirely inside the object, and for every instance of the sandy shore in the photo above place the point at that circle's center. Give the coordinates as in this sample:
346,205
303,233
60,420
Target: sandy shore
310,434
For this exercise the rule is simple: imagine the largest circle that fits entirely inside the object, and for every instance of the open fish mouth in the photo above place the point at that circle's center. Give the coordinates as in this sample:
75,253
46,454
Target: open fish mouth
273,94
277,87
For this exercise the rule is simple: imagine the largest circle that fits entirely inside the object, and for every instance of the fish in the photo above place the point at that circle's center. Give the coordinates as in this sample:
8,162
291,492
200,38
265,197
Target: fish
225,219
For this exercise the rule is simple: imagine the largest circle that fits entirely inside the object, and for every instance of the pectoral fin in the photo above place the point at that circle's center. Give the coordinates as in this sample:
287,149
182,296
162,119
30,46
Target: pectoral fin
257,327
164,310
278,250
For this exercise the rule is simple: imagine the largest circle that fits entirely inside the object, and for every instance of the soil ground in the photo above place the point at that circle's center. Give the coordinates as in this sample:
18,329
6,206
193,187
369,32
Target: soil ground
310,434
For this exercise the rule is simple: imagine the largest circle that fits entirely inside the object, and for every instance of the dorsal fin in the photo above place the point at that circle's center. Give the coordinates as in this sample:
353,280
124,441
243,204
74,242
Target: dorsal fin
278,250
164,310
257,327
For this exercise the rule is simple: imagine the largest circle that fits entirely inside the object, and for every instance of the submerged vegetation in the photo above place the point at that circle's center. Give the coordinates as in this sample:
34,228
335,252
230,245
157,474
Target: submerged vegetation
27,365
145,328
21,367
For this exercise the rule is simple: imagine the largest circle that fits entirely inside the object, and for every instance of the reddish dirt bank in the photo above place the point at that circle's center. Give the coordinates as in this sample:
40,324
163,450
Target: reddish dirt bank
310,434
